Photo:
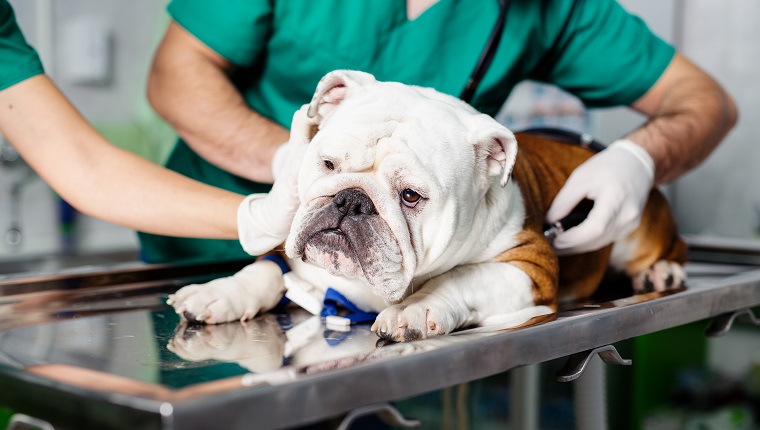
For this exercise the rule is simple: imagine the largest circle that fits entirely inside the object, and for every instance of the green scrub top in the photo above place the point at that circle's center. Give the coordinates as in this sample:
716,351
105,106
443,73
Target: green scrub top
592,48
18,60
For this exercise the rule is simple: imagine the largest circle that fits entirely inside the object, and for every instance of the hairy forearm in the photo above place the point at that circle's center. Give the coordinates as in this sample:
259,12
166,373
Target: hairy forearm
190,89
688,119
102,180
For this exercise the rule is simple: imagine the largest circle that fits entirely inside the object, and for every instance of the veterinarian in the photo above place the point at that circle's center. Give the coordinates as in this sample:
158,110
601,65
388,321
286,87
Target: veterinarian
107,182
229,77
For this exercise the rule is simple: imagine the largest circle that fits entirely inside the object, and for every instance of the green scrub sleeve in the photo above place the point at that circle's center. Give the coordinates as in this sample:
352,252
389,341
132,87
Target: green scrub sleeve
18,60
237,31
604,55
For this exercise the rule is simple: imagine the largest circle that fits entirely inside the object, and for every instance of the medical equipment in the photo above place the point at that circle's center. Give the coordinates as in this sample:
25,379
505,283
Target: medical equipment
575,217
488,52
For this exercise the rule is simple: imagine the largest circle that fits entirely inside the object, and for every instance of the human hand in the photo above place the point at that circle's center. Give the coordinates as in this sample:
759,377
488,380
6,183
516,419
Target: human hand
618,180
264,219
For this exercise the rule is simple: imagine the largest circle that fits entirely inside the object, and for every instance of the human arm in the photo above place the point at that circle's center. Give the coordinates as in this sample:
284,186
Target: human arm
689,113
102,180
190,88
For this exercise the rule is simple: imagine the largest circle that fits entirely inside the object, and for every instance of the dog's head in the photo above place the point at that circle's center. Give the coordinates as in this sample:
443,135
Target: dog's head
391,180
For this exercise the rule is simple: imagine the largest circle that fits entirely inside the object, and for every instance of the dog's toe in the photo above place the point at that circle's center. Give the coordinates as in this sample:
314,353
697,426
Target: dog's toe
402,323
663,275
219,301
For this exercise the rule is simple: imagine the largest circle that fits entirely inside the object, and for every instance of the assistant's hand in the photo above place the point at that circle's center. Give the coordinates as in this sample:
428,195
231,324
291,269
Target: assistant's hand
618,180
264,219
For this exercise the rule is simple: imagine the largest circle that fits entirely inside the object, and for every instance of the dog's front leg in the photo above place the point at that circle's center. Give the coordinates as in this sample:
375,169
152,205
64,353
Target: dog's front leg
482,294
256,288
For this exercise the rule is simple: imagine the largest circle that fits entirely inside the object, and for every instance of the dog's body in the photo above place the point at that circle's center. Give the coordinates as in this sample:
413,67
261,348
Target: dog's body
418,207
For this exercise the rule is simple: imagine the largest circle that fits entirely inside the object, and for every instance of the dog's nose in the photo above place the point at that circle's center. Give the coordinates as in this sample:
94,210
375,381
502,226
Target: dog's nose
354,202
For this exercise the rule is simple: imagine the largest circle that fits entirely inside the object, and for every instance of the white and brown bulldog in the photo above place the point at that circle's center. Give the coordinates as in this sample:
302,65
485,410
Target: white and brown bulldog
416,206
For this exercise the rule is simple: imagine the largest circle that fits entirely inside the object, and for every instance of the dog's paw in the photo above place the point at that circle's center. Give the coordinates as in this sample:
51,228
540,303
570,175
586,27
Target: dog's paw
405,323
216,302
240,297
663,275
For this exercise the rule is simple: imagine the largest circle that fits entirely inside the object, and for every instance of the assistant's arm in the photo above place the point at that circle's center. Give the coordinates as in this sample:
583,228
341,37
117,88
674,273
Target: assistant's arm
190,88
102,180
689,114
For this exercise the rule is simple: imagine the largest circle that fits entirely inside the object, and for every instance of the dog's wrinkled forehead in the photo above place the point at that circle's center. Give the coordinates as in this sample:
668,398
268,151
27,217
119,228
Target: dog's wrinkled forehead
354,145
392,148
358,114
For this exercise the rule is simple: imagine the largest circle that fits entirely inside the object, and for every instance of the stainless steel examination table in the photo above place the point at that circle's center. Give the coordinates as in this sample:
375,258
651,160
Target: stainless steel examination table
100,349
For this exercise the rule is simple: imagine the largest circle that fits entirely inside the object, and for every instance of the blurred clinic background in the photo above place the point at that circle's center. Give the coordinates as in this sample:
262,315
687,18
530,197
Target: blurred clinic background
99,53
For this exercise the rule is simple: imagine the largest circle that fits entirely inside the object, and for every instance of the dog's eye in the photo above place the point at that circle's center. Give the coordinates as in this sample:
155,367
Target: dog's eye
329,165
410,198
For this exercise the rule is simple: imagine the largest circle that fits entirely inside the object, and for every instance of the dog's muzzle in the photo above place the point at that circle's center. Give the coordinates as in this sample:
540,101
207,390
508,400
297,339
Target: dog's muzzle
346,235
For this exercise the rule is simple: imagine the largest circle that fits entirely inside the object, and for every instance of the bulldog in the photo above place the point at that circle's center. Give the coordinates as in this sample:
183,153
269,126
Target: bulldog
416,206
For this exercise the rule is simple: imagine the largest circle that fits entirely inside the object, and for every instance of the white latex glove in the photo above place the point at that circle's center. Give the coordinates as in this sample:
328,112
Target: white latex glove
264,219
618,180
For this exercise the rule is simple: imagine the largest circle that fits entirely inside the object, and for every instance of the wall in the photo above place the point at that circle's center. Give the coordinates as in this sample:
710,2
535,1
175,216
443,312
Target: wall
722,196
115,104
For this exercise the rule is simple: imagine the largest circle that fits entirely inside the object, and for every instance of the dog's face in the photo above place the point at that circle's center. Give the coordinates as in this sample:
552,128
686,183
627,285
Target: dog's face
391,180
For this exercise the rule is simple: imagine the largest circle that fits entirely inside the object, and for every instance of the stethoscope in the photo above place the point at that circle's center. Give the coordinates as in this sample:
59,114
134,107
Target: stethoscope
488,52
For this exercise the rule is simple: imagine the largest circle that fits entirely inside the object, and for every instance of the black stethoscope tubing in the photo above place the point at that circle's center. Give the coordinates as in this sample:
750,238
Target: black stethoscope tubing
488,53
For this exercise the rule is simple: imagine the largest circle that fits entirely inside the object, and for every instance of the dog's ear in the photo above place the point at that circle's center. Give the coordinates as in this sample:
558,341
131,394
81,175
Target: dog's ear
334,88
499,148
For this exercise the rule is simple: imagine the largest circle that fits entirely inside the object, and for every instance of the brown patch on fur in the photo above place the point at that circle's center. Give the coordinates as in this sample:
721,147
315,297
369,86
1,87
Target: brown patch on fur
534,256
580,275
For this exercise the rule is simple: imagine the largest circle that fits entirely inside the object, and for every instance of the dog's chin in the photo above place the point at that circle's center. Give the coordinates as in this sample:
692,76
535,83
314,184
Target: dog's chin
332,251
